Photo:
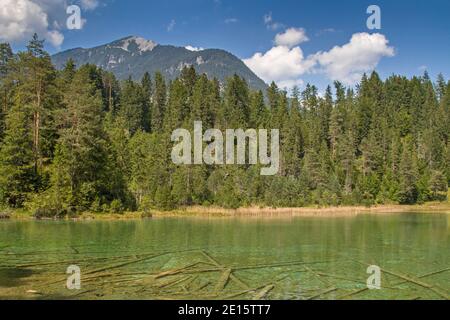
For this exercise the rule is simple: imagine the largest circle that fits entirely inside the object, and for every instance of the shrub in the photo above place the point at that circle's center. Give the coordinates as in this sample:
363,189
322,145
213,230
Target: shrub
116,207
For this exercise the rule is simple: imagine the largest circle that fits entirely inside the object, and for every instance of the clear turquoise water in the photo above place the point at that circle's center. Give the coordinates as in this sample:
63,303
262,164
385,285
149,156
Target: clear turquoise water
276,258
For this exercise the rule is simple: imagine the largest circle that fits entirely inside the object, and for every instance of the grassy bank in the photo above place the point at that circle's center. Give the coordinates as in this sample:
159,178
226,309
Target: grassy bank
432,207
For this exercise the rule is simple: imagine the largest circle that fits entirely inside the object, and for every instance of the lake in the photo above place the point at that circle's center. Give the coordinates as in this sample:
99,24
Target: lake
228,258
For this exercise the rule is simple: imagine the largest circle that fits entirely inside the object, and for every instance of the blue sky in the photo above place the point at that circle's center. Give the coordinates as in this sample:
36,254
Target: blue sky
415,35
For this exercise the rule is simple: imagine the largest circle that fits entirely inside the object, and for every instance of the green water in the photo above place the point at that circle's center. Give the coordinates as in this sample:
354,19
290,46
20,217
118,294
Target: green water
286,258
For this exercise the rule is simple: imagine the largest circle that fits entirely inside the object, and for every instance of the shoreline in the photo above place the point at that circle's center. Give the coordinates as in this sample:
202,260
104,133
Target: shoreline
250,212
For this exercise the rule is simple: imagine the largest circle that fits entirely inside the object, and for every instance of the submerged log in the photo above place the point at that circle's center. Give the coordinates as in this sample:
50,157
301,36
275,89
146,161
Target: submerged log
231,275
172,283
406,279
221,284
264,292
175,271
322,293
418,282
348,295
123,264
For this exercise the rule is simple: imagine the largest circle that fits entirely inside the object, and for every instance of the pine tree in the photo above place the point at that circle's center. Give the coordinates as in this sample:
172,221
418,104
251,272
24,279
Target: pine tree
441,86
293,143
439,185
106,145
324,113
6,55
237,103
335,127
159,103
347,154
202,102
147,90
141,181
68,72
17,174
110,92
80,169
35,76
408,173
258,110
272,96
133,107
178,108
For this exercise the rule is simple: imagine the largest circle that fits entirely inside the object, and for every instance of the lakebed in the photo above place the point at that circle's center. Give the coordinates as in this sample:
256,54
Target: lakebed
238,257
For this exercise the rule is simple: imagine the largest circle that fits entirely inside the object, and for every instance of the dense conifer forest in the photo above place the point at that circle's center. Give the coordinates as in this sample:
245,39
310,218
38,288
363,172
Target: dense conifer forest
79,140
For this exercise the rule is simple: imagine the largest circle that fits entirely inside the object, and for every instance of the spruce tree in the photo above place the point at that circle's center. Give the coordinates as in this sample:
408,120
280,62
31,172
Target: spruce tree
133,107
36,88
408,173
17,174
159,103
6,55
80,169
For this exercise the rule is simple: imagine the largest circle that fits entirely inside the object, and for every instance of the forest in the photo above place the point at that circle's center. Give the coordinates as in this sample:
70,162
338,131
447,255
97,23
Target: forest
78,140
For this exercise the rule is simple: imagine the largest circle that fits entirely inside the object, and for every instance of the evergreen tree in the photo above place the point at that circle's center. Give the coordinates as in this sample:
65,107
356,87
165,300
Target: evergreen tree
202,102
237,103
409,174
147,90
133,107
6,55
293,143
75,140
258,111
36,88
159,103
80,169
178,109
17,174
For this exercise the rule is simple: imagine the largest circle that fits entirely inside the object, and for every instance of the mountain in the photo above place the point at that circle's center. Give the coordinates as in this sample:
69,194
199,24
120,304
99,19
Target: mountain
133,56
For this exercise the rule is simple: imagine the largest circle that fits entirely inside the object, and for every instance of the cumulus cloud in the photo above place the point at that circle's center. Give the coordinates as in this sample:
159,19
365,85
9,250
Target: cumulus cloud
291,37
286,63
89,4
20,19
347,63
191,48
280,64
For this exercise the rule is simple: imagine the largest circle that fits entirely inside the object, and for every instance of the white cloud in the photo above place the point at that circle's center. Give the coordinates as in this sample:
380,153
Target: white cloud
280,64
347,63
171,25
231,20
89,4
20,19
291,37
325,31
56,38
268,18
191,48
270,24
285,63
290,84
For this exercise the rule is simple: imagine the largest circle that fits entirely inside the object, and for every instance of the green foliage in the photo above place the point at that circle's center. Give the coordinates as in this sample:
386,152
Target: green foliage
116,207
80,167
78,140
17,171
